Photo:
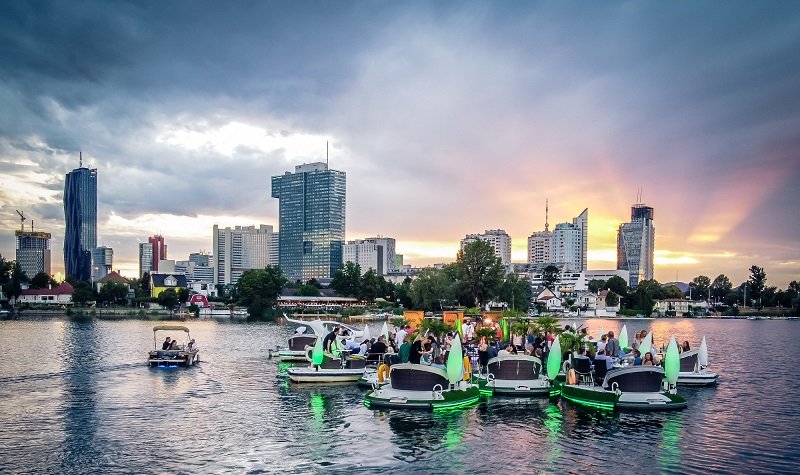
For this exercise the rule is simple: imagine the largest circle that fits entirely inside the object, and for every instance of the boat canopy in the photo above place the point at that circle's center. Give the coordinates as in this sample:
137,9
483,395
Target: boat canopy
171,328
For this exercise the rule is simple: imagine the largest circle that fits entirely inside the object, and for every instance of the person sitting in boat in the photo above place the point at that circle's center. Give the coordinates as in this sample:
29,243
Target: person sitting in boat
377,349
327,343
417,350
191,346
166,344
174,345
684,346
401,335
483,353
648,359
601,357
637,358
363,349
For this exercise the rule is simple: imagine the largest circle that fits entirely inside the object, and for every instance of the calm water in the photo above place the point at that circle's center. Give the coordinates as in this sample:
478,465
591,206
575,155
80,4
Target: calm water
77,397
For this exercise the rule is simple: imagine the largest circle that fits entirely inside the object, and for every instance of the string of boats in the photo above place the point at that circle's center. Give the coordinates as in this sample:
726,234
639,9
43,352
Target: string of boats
461,384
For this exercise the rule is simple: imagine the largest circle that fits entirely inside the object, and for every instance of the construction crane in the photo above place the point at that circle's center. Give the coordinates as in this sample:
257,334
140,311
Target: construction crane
21,219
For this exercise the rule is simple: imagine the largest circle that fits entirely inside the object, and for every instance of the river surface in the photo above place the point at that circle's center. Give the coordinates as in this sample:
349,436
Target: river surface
76,396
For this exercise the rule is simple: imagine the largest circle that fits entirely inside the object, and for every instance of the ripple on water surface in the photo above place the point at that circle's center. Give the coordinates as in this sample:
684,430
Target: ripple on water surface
77,397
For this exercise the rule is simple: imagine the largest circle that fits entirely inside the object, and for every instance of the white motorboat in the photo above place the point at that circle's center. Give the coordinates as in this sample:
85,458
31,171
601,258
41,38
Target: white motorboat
515,375
694,367
297,350
331,370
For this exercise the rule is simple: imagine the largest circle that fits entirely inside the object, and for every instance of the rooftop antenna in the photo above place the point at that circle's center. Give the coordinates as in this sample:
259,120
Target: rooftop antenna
21,219
80,154
327,157
546,214
31,225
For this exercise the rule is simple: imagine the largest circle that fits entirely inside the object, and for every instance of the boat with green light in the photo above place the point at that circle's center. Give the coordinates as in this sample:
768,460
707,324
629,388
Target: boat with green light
335,367
419,386
639,388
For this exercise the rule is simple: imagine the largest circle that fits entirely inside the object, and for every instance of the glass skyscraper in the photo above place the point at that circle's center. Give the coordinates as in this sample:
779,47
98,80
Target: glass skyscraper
33,252
80,214
636,245
311,219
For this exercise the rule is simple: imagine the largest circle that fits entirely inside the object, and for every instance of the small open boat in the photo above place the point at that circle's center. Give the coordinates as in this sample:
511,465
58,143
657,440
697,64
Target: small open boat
642,388
417,386
694,367
515,375
297,349
327,367
183,356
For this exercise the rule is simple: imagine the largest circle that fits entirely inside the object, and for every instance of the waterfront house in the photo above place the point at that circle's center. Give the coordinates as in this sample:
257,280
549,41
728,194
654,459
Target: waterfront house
162,282
60,295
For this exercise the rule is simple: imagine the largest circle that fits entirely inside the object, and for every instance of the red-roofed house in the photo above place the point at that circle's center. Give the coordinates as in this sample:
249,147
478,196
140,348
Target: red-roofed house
112,276
61,295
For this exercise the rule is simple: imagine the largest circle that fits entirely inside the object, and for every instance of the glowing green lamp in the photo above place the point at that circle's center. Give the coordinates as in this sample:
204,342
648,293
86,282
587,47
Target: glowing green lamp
672,363
455,362
459,330
623,337
554,360
317,354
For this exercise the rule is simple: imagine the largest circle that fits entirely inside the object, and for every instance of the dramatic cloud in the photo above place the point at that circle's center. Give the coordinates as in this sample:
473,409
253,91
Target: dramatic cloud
448,118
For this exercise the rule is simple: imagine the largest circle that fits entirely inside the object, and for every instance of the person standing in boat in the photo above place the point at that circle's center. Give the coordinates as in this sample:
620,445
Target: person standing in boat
166,344
612,345
327,343
404,352
401,336
416,351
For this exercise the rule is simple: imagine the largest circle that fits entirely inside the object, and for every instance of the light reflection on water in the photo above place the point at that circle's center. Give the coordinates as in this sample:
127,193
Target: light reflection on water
76,396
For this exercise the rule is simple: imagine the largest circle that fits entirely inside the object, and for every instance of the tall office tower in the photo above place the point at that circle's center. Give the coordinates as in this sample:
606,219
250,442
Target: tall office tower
311,214
636,244
566,244
159,250
240,249
145,258
569,242
80,214
498,239
200,258
102,262
33,252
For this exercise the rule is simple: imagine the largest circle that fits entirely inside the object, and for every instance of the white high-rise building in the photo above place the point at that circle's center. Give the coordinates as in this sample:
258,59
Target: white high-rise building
498,239
102,262
145,258
566,244
240,249
636,244
368,255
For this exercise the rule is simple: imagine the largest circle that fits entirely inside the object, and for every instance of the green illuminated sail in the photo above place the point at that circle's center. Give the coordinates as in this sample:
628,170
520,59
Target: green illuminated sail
317,354
672,363
455,362
646,344
623,337
554,360
459,330
504,327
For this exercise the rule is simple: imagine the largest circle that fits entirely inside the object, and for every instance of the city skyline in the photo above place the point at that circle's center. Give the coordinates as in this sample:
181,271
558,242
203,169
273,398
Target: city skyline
448,119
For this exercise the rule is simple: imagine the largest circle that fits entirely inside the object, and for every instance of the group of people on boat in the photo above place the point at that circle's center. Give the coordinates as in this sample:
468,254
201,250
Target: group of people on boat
170,344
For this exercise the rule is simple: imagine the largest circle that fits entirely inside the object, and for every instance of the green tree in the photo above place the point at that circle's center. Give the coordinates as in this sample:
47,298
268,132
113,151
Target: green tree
431,290
113,292
612,299
516,292
617,285
6,267
551,276
258,289
403,293
372,285
756,284
42,280
347,280
144,283
596,285
168,298
434,326
721,287
480,271
700,286
671,292
83,292
307,290
646,292
183,295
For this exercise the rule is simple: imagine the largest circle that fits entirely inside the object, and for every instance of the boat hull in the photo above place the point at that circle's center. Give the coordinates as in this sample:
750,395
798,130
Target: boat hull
287,355
697,379
183,359
517,388
311,375
596,397
388,398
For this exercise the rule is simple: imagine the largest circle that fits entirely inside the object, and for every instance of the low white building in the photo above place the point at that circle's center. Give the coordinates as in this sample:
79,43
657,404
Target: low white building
61,295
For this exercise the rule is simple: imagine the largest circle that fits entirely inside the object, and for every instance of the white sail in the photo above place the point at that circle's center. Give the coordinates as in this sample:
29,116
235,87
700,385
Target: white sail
385,332
623,337
602,332
646,344
702,354
365,334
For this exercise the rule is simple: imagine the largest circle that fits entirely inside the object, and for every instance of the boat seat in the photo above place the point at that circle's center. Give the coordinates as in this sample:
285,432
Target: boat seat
600,371
331,363
583,367
689,361
356,363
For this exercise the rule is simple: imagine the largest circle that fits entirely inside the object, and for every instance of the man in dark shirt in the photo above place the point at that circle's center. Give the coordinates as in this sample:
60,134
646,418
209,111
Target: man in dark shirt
378,348
612,345
167,342
416,352
329,338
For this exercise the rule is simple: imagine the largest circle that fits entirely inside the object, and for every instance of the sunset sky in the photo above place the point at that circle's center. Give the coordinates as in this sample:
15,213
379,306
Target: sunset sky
448,117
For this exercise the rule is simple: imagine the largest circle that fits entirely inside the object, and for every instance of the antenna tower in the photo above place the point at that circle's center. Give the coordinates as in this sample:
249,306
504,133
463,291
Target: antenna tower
327,157
546,214
21,220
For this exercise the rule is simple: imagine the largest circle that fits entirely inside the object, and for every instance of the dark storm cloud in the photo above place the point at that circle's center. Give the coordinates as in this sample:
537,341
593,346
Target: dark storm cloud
434,98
